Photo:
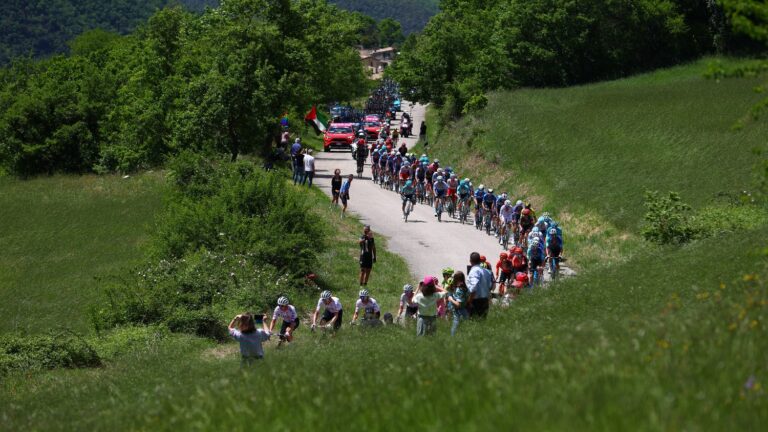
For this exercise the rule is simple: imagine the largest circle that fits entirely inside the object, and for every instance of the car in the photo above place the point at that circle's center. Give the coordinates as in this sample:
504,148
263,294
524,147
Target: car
339,135
373,126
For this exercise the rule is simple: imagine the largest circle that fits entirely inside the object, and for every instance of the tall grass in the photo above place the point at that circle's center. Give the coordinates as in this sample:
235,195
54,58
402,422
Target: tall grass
58,234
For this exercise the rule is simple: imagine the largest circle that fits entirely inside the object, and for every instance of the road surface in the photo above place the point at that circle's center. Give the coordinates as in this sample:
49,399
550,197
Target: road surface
426,244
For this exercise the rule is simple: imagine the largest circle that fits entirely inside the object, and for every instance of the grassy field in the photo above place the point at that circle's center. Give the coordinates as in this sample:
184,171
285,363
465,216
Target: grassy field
632,348
59,234
588,153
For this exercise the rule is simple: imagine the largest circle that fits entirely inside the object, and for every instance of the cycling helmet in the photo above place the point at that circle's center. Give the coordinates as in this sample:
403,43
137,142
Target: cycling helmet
282,301
519,202
423,155
364,293
448,270
437,161
535,229
439,178
407,288
481,187
482,258
453,175
545,215
535,241
503,255
504,195
507,202
408,183
490,191
325,295
361,134
466,180
518,250
552,231
526,211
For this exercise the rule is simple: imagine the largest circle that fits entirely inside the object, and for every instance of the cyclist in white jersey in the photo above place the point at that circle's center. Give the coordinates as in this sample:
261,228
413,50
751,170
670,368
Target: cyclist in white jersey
290,318
332,315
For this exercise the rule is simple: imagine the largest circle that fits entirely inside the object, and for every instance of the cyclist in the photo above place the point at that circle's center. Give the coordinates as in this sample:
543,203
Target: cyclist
424,160
435,165
370,307
361,155
526,223
535,259
421,176
519,260
332,314
464,190
407,194
554,247
375,155
504,272
536,234
489,201
479,194
406,304
405,172
287,312
453,185
441,188
506,218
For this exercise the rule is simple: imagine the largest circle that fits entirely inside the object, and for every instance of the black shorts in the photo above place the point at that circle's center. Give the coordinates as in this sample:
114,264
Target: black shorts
344,198
366,260
536,262
504,276
287,324
479,308
555,251
411,311
327,316
335,193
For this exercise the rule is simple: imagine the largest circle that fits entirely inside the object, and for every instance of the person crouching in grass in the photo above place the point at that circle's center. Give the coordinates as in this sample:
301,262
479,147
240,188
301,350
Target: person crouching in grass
243,329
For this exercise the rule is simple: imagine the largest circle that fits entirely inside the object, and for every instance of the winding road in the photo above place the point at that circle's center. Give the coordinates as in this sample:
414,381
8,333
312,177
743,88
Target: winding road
426,244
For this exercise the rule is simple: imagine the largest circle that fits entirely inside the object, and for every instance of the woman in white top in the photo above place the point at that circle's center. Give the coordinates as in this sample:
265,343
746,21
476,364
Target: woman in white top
332,315
290,319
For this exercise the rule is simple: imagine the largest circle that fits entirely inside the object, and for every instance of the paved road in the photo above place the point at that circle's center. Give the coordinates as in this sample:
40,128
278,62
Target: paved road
426,244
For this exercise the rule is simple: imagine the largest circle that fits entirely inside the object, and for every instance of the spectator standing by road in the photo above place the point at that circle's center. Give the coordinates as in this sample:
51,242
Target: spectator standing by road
480,284
367,255
336,186
285,138
344,194
298,161
309,168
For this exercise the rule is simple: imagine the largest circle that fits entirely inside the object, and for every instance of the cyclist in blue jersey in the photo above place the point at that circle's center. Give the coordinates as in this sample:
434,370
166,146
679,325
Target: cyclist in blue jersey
554,246
407,194
536,258
479,195
441,189
489,201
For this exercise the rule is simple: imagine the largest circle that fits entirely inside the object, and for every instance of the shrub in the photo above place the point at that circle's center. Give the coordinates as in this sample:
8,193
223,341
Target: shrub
24,353
667,219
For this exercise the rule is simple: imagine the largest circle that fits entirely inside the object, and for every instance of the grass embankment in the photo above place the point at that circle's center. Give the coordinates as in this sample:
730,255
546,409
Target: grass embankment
588,153
632,348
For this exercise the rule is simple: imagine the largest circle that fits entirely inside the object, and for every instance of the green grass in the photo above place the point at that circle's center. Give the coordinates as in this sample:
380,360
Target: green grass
58,234
593,150
637,347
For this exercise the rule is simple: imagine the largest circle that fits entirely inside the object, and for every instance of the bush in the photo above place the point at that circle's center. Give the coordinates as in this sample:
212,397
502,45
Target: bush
667,219
127,340
25,353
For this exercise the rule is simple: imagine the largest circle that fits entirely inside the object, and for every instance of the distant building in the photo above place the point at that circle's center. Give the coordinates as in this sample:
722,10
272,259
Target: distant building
377,60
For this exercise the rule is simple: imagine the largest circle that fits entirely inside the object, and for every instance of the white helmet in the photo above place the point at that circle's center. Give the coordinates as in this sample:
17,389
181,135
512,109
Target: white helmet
535,229
325,295
466,180
553,231
507,202
364,293
519,202
490,190
504,195
407,288
437,161
283,301
439,178
453,175
481,187
535,241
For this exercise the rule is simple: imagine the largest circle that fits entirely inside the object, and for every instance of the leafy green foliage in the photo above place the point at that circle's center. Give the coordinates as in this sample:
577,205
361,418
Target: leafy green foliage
475,46
27,353
412,14
231,237
666,219
44,27
217,82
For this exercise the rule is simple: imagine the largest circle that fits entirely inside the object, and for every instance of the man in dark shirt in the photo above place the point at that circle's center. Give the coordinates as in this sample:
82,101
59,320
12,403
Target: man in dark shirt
298,166
367,255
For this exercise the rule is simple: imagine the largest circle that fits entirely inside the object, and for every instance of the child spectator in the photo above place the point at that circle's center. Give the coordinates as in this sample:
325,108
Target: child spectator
426,297
243,330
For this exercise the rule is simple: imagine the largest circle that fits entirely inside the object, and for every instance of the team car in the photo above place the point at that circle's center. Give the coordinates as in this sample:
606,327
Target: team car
339,135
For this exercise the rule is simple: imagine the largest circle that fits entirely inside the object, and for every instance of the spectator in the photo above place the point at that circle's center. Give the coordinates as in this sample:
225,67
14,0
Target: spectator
243,329
336,186
426,298
284,138
309,167
344,194
299,173
367,255
480,284
295,152
458,300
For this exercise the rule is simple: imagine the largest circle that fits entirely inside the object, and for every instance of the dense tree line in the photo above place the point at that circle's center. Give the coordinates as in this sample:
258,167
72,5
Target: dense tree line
215,82
473,46
411,14
43,27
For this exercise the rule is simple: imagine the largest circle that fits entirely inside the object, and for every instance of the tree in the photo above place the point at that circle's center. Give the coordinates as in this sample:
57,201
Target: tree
391,32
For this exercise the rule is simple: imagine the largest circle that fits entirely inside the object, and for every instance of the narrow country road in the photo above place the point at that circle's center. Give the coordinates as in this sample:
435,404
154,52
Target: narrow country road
426,244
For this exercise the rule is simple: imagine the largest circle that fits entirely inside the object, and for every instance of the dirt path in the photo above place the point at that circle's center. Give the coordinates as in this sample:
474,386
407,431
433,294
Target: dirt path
426,244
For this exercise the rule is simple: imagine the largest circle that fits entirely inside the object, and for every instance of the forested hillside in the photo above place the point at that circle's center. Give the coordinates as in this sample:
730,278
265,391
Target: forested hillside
43,27
412,14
